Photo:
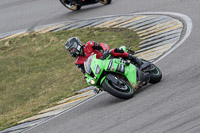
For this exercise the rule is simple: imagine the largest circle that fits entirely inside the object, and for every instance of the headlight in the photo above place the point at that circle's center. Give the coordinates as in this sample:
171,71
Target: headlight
98,70
92,82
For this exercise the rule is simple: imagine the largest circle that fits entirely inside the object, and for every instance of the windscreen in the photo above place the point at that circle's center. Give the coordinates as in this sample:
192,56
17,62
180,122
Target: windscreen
87,64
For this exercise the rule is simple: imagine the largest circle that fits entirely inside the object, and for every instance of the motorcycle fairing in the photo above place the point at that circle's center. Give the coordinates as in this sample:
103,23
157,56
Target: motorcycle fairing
113,65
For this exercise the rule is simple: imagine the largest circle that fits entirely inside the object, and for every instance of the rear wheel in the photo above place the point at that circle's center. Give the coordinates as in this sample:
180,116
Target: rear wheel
105,2
123,92
70,6
155,74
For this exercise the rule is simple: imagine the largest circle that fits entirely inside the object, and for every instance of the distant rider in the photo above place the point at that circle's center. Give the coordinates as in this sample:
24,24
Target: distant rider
83,1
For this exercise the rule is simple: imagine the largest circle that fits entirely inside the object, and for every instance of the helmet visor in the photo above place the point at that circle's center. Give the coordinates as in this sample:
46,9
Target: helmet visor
71,44
72,50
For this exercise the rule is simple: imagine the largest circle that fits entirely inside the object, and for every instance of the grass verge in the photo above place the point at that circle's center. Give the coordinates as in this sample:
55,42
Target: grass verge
36,71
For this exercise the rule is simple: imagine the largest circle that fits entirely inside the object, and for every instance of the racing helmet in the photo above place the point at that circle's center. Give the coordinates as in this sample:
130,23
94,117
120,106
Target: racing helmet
73,46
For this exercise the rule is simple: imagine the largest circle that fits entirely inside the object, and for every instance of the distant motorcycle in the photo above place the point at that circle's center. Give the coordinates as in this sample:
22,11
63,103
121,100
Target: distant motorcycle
77,4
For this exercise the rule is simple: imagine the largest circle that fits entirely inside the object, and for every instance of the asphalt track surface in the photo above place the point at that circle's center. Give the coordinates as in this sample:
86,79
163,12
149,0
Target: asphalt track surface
173,105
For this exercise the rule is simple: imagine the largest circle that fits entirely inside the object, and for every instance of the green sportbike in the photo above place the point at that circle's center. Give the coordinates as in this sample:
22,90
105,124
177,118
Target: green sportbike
119,77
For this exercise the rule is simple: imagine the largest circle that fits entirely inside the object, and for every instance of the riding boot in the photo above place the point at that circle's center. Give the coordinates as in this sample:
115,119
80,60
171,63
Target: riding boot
135,60
143,78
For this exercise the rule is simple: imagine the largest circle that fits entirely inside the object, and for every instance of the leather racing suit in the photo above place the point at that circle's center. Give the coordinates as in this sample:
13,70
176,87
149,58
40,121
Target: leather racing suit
92,47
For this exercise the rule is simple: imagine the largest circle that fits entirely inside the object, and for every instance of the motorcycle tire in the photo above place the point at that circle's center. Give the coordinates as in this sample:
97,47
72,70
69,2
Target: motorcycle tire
155,74
74,8
108,86
105,2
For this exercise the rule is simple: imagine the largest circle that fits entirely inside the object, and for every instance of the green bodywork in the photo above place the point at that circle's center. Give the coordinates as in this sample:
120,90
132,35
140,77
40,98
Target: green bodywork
130,70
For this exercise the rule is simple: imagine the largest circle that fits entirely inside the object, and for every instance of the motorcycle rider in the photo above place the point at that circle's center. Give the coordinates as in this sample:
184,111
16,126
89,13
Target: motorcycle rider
82,52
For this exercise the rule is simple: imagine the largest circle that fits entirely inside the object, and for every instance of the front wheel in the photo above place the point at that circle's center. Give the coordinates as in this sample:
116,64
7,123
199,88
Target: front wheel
70,6
105,2
125,92
155,74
